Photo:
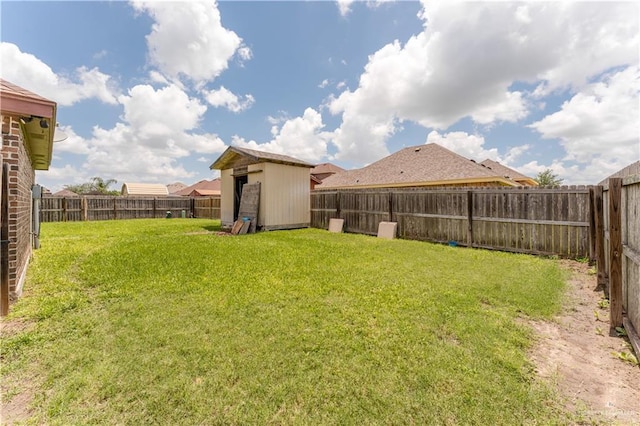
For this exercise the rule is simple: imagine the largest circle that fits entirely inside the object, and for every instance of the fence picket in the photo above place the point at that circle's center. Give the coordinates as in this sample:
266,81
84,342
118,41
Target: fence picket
538,221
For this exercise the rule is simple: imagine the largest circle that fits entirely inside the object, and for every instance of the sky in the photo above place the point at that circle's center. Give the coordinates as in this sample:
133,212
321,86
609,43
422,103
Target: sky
151,91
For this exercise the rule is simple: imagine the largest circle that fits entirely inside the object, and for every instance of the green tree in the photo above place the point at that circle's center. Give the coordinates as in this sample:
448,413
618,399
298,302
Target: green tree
102,186
548,178
97,185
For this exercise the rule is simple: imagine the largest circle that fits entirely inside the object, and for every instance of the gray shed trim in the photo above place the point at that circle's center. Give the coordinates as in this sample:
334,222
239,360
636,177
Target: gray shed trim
234,156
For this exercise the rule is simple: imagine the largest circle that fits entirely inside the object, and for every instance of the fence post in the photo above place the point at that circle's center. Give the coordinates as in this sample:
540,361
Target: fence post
154,206
390,205
338,203
615,252
85,214
115,209
64,209
469,218
592,225
599,234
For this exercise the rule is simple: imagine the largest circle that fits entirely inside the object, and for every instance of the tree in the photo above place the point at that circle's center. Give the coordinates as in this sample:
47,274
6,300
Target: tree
102,186
97,185
548,178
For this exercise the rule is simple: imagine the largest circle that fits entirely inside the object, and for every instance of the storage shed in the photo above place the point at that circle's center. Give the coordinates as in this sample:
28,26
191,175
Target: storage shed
144,189
284,187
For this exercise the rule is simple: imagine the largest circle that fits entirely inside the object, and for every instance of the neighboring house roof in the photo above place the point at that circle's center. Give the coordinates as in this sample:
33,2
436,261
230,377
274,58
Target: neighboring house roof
175,187
326,168
422,165
37,120
65,193
203,185
129,188
508,172
630,170
204,192
234,157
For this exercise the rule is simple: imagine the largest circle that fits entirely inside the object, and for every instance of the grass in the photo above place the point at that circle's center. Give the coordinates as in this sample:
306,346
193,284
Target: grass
158,322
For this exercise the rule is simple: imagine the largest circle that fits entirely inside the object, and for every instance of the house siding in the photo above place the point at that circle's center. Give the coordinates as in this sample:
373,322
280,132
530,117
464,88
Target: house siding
21,177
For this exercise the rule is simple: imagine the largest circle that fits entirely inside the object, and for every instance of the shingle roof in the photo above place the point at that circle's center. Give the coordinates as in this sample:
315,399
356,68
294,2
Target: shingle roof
175,187
250,156
37,117
10,89
420,165
326,168
508,172
203,185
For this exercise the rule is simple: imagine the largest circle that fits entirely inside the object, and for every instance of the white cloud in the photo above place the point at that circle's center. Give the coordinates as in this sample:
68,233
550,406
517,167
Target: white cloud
29,72
225,98
73,144
160,112
188,39
472,147
101,54
469,57
323,84
203,160
299,137
158,129
602,119
344,6
67,174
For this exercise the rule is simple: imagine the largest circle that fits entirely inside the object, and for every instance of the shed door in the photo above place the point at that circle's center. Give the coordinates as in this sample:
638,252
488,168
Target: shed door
238,182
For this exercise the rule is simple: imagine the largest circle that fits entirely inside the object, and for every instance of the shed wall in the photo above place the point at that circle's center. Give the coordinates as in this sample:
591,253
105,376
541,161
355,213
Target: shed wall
226,198
285,196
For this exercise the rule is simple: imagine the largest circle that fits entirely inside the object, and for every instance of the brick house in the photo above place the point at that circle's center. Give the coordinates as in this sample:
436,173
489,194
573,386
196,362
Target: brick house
28,126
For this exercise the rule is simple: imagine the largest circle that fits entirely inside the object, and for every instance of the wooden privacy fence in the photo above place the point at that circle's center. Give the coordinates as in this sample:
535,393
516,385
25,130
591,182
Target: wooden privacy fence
89,208
537,221
619,252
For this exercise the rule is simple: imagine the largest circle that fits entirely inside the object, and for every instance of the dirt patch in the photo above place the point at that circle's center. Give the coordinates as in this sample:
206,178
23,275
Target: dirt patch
15,407
577,353
218,233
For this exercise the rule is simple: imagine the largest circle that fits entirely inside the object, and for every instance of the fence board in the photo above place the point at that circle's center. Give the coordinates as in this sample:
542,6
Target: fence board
537,221
629,245
73,209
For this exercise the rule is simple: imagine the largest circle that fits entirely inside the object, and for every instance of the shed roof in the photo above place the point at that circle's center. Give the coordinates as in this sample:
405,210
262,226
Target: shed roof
508,172
421,165
37,120
234,155
130,188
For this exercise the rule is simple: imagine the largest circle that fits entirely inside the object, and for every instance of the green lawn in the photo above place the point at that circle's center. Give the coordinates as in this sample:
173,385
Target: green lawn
161,322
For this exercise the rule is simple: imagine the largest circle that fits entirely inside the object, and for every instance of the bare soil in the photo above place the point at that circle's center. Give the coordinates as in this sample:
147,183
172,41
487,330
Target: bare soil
577,353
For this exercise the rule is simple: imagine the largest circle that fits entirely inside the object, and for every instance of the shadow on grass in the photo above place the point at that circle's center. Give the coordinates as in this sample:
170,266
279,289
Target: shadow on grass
212,228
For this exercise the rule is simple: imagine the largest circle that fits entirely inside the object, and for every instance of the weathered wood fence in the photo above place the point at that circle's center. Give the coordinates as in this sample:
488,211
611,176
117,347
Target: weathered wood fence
536,221
620,251
89,208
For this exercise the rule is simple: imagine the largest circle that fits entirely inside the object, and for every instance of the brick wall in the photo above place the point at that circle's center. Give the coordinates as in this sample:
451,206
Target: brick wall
21,179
